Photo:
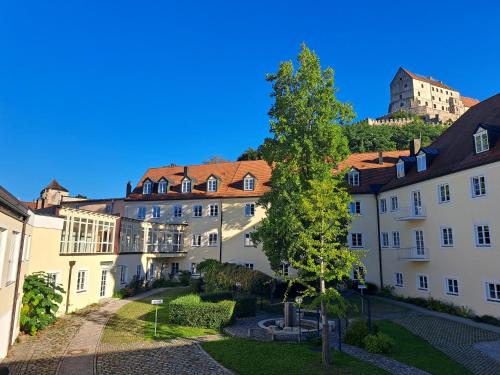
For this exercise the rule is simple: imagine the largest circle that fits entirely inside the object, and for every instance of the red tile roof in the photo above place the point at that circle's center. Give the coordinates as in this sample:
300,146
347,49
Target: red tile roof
30,205
468,102
428,80
456,146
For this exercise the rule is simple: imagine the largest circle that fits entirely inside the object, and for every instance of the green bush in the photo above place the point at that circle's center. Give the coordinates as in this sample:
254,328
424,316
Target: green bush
185,278
371,288
190,310
246,305
379,343
162,283
357,331
41,301
217,296
195,285
488,319
124,293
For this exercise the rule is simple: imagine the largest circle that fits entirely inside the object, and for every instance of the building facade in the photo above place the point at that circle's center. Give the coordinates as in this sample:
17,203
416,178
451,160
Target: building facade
426,97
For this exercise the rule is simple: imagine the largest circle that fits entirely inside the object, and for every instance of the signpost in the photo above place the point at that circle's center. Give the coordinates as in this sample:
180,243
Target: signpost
362,287
156,302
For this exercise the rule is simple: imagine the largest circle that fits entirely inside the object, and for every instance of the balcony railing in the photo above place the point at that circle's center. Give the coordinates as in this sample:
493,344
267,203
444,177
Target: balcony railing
411,213
415,254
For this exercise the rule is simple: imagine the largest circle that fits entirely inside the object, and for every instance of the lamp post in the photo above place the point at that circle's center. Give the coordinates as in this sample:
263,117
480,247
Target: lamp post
238,287
298,301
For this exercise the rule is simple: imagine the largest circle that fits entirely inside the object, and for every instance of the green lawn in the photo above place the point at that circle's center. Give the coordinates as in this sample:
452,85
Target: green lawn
135,321
417,352
249,357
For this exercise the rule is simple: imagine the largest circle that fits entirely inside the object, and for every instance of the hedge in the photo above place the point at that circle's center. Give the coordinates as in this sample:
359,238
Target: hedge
246,305
190,310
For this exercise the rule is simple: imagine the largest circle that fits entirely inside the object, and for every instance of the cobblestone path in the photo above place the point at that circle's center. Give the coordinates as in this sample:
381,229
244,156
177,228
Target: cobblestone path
456,340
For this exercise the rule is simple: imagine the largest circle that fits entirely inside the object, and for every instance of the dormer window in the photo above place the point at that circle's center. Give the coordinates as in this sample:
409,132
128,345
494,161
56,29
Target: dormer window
212,185
481,141
353,178
186,185
249,182
162,187
147,187
400,169
421,162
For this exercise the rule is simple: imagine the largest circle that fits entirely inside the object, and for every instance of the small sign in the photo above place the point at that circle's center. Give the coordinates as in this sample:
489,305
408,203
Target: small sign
156,301
361,286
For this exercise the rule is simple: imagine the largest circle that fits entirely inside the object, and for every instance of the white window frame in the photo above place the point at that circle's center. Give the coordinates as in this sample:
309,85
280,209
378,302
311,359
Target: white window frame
447,193
443,236
213,210
483,190
383,205
82,288
196,240
212,185
421,162
147,187
249,209
484,143
396,244
141,212
384,239
419,288
26,248
360,243
56,279
476,235
155,212
249,265
197,210
394,203
123,274
138,271
247,239
249,183
3,247
211,243
356,208
194,268
353,178
177,210
162,187
396,280
446,286
488,297
186,185
14,254
400,169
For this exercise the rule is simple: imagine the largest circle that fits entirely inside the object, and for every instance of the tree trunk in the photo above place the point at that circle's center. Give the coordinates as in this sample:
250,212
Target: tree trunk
324,321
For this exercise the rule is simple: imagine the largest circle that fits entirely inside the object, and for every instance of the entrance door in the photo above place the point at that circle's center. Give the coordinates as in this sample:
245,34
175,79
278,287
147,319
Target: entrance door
417,203
104,281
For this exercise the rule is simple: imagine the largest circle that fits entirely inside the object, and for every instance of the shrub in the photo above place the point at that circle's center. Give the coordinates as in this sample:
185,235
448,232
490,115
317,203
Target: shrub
162,283
41,301
488,319
371,288
387,291
185,278
124,293
246,305
217,296
357,331
379,343
195,285
190,310
137,284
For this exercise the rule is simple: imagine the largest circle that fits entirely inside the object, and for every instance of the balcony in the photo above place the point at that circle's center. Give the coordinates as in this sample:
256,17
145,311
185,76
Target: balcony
414,254
411,213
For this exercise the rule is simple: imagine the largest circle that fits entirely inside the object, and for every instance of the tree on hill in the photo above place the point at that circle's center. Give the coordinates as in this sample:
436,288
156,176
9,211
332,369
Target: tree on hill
215,159
251,154
307,214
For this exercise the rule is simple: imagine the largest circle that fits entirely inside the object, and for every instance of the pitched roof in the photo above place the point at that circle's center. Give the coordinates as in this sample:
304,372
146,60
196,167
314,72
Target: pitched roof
427,79
12,203
456,147
371,172
54,185
30,205
468,102
230,184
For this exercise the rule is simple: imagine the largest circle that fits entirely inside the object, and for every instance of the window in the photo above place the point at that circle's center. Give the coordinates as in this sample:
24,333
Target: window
249,183
422,282
398,279
109,208
53,279
356,239
198,210
250,209
421,163
434,104
285,269
451,286
419,241
81,281
162,187
156,212
213,210
3,246
194,271
138,271
212,239
400,169
250,266
446,237
15,249
123,275
422,85
444,193
483,238
196,240
493,292
26,247
212,185
178,211
418,93
401,104
384,238
432,90
186,185
396,242
141,213
400,96
478,186
146,187
358,273
355,208
383,206
152,270
353,178
175,267
248,240
481,141
394,203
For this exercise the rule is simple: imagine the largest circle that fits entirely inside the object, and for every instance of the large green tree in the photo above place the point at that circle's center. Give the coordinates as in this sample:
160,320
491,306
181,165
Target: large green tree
307,214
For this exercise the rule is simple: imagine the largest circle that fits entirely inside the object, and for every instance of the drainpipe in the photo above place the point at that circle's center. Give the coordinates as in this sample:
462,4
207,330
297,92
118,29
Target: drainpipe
68,291
220,231
379,245
16,287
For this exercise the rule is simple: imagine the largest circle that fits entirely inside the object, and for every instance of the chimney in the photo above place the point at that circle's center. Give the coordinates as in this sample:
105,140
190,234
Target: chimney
380,157
415,146
129,189
186,170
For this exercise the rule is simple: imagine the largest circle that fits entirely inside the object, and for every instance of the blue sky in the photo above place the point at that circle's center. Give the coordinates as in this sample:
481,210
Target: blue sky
95,92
